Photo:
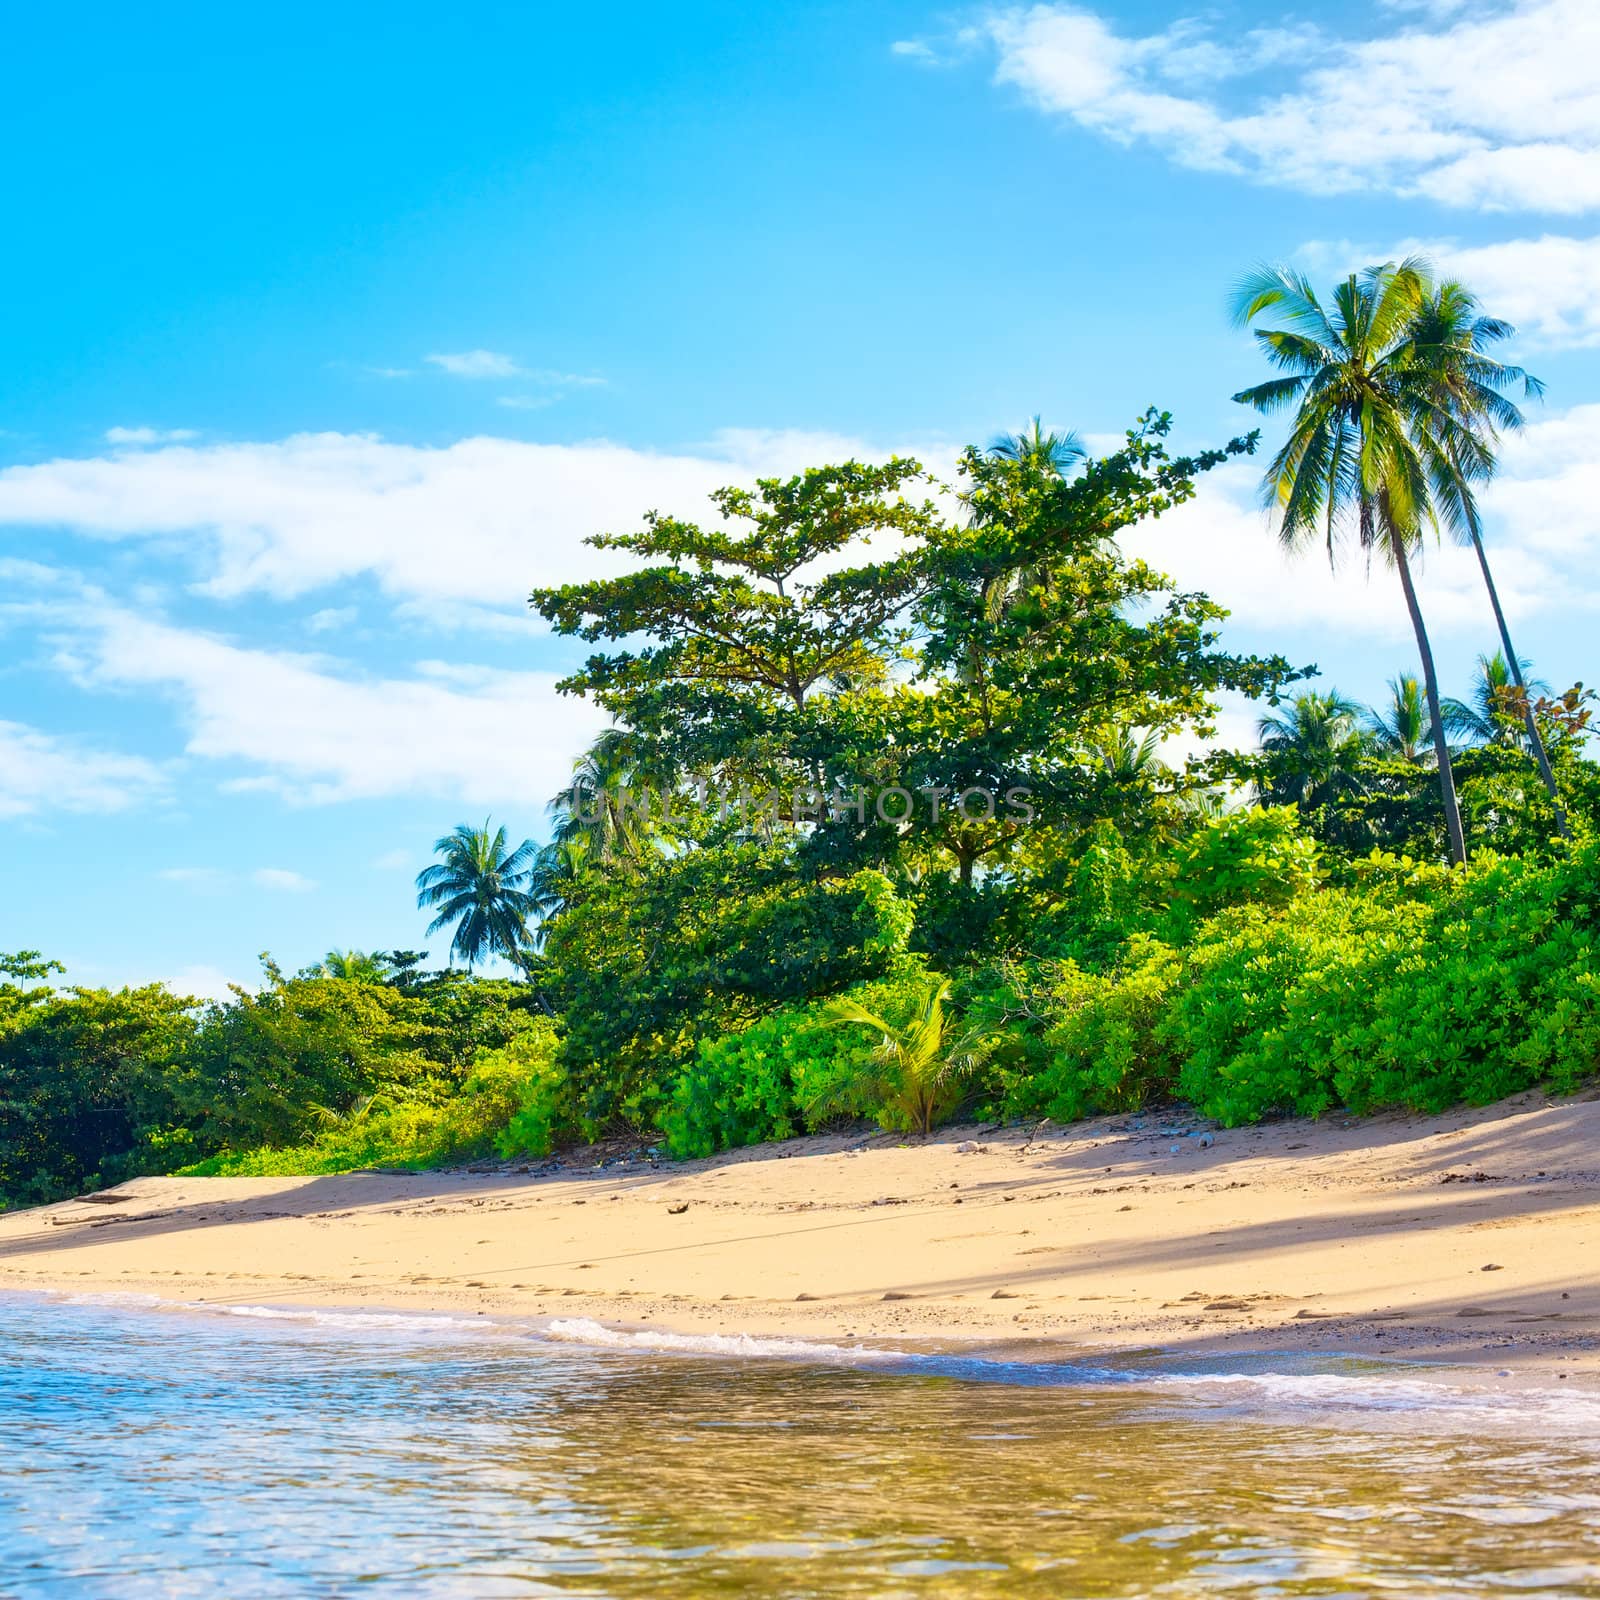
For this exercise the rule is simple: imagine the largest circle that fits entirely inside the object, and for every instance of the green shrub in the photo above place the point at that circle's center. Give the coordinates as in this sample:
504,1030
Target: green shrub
1278,1005
1105,1049
749,1086
1255,857
1488,985
503,1087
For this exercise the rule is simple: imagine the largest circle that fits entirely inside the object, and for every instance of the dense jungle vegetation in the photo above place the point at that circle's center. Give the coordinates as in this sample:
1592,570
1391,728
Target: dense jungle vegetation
908,807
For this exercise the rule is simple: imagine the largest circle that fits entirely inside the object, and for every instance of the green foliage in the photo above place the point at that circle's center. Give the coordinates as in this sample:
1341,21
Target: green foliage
781,1075
98,1086
266,1067
1104,1048
917,1070
1254,857
695,945
85,1081
1484,986
543,1113
502,1105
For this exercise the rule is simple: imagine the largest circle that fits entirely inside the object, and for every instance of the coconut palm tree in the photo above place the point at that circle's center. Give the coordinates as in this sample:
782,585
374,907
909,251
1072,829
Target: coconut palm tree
1056,453
1460,433
1487,716
1315,748
1358,455
1401,729
482,887
554,879
356,966
615,801
1128,754
916,1071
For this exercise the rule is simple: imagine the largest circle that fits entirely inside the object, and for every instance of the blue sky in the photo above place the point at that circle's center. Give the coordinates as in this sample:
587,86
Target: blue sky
330,331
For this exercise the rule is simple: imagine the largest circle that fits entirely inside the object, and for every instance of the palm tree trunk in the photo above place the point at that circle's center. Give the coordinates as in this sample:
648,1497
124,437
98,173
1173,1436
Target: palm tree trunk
1430,681
1514,667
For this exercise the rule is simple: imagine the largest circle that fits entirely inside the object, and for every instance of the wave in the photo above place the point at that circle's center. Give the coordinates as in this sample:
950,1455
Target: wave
1455,1395
583,1330
349,1320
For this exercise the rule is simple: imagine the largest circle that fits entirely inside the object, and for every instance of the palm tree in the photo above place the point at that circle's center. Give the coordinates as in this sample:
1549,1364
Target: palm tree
1055,453
1451,341
1315,749
1126,756
553,881
1402,729
917,1070
614,803
1487,717
481,887
1360,451
355,966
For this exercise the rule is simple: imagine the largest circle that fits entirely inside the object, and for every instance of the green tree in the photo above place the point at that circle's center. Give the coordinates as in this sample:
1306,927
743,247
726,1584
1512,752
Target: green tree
743,626
1493,713
356,966
693,945
481,887
86,1081
1401,728
917,1072
1314,751
1460,434
1366,436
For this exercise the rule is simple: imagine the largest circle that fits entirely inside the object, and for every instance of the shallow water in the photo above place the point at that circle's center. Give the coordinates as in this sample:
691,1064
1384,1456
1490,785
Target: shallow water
173,1452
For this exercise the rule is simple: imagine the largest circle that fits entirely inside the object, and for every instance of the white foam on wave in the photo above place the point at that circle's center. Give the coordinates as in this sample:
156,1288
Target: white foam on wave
355,1321
583,1330
350,1320
1458,1396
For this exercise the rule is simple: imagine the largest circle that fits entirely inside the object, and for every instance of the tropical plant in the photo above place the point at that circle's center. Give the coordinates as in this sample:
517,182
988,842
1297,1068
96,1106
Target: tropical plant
355,966
613,807
1055,453
1314,751
1451,342
917,1071
1401,728
555,880
1493,712
1128,754
481,887
1368,439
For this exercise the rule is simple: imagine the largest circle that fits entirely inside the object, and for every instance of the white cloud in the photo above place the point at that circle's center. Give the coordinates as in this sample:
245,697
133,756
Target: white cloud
1542,516
140,436
476,523
282,880
195,877
475,364
42,773
331,619
1489,110
314,731
204,983
1548,287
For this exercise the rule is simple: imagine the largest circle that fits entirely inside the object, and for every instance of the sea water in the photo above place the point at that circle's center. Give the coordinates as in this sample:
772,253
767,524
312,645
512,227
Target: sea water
263,1451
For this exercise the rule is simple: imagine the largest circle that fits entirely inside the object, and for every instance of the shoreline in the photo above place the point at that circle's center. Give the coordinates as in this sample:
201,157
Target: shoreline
1470,1237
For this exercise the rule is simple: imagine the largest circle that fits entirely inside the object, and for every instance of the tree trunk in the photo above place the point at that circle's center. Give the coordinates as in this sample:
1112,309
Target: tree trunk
1441,747
1514,667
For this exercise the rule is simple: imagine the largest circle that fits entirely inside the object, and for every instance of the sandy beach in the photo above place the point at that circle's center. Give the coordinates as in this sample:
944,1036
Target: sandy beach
1473,1236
